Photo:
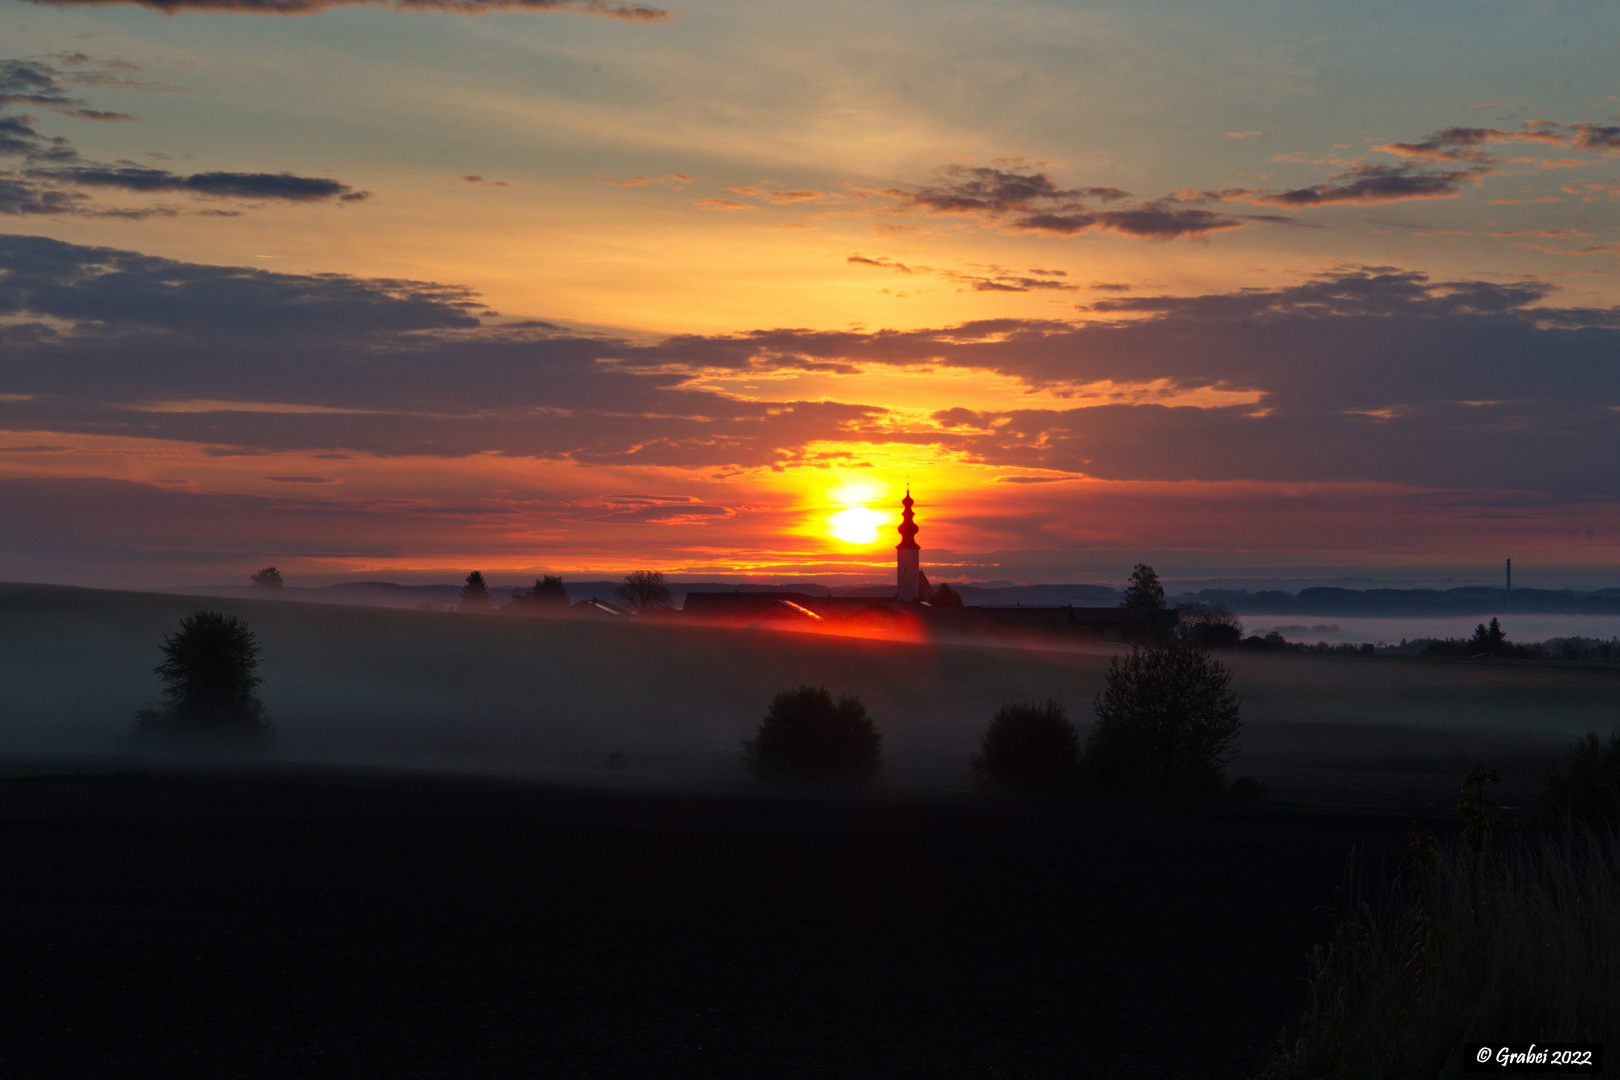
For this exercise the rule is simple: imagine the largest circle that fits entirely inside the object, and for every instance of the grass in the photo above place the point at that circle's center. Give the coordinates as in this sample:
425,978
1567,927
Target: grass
1424,964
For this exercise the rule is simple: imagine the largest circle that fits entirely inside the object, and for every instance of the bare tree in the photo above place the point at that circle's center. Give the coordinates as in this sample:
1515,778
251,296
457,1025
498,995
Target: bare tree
643,591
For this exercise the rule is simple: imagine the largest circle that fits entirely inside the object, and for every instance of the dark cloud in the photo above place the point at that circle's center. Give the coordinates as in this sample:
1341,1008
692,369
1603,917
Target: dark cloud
20,198
1033,202
54,171
1369,375
960,189
1596,136
1379,184
1153,221
606,8
284,186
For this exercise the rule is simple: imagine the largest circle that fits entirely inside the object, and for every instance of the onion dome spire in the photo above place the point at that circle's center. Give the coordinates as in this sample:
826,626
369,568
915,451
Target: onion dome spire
908,528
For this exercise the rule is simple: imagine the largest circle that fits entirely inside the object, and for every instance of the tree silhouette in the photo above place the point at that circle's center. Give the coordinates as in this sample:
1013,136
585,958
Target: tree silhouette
548,591
943,596
1144,590
268,578
1491,640
808,736
209,672
643,591
475,594
1029,747
1167,722
1209,626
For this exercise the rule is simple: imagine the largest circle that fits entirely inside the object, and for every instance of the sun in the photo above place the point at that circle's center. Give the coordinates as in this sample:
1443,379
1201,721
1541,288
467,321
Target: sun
855,525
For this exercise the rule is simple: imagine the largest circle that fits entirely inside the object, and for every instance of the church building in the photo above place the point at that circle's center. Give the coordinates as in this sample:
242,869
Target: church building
911,584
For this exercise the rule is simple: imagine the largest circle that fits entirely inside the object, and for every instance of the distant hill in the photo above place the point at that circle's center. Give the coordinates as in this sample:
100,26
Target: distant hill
1386,603
1333,601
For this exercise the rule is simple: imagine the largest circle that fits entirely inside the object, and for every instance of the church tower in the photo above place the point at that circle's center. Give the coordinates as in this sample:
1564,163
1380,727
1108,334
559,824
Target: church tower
907,556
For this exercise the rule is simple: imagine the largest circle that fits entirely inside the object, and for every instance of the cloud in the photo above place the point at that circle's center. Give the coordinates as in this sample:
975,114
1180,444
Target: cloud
627,12
960,189
284,186
1367,375
1149,222
53,170
1033,202
1379,184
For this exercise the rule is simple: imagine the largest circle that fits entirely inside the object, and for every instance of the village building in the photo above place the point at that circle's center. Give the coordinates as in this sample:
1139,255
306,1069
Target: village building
909,607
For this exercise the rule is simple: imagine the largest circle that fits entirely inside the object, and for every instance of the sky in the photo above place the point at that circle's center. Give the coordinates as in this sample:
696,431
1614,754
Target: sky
398,290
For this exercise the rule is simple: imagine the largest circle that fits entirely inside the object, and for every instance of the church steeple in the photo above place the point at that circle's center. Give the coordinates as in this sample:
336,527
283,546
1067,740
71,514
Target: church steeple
908,528
907,556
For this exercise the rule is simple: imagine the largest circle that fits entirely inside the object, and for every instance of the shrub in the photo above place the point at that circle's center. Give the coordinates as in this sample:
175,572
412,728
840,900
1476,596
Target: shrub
1029,747
1167,723
1208,626
806,735
1585,786
209,673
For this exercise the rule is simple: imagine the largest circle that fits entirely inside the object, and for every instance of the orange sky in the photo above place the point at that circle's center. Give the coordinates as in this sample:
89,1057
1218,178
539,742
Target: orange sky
1249,290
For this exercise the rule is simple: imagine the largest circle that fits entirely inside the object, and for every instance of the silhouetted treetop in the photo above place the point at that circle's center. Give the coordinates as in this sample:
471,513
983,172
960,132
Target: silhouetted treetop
807,735
643,591
475,594
548,591
1491,640
1143,589
268,578
944,596
209,672
1167,721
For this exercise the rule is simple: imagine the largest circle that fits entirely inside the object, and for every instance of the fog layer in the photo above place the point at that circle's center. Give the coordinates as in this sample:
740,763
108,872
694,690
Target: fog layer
490,692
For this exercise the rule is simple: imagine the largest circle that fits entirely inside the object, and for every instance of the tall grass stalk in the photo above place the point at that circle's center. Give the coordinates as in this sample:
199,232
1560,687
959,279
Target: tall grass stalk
1418,969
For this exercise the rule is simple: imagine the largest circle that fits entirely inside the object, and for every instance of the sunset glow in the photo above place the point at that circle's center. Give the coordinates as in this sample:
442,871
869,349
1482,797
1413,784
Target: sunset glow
363,291
857,525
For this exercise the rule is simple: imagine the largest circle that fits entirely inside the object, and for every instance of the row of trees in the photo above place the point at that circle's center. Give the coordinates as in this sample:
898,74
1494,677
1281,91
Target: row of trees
1167,723
641,591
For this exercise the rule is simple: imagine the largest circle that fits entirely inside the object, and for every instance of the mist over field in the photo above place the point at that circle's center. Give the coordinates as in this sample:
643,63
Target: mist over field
439,690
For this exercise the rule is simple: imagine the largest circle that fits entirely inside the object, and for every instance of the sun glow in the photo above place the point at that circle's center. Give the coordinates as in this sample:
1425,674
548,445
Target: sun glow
855,525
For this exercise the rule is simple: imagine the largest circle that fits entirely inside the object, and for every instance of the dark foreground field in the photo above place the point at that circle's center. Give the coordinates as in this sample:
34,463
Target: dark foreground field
303,923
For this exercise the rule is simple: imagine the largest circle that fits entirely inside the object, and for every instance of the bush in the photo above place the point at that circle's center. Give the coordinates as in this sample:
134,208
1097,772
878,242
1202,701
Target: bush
1167,723
1585,786
1029,747
1208,626
209,674
808,736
